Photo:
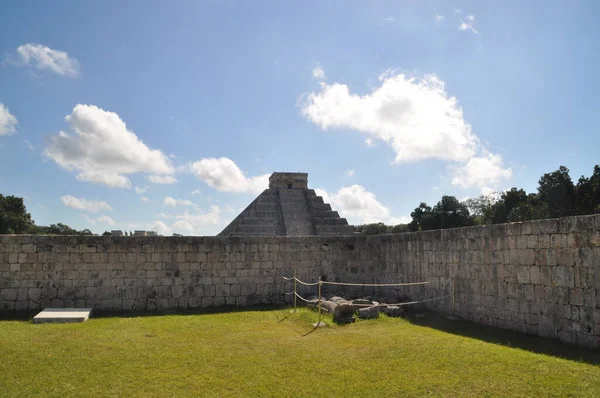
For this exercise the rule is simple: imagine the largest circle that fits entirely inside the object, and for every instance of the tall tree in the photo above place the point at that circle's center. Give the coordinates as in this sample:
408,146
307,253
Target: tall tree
556,189
14,218
587,193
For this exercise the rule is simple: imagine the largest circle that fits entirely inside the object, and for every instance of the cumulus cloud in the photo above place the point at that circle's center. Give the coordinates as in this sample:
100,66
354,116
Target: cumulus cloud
468,24
101,219
318,73
107,220
224,175
172,202
140,190
156,179
350,173
196,222
145,199
196,192
438,18
369,142
85,204
359,205
44,58
481,171
7,121
102,150
414,116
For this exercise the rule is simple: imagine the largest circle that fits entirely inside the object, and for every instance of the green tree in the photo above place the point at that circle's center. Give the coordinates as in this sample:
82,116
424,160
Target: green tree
449,212
587,193
482,208
14,218
556,189
421,218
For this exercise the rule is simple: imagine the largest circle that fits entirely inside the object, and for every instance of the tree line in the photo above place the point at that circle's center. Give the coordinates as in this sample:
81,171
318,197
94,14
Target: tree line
556,196
14,219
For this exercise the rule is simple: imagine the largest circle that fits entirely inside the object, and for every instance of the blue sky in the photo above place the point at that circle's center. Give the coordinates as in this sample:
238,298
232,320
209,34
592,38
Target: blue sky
170,115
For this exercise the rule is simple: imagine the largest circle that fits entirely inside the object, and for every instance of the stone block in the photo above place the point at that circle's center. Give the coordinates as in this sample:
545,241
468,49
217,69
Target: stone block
535,275
576,296
563,276
63,315
207,302
523,275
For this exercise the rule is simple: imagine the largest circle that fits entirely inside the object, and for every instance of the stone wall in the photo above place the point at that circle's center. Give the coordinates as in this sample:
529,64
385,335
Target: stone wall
540,277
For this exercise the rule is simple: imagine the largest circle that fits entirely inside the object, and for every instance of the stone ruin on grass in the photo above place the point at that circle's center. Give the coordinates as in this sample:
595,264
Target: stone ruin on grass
344,311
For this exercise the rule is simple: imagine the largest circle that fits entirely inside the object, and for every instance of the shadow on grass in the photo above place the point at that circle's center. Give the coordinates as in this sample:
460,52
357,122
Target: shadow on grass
507,338
28,315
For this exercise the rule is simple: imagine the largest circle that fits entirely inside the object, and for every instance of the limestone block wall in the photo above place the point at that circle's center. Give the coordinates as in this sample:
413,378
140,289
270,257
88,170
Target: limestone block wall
539,277
146,273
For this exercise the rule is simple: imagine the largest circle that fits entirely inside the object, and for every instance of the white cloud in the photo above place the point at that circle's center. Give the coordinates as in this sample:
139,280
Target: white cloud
224,175
84,204
481,171
101,219
359,205
145,199
198,223
468,23
318,73
414,116
183,225
29,145
45,58
107,220
438,18
103,150
388,19
140,190
172,202
196,192
160,227
7,121
156,179
369,142
350,173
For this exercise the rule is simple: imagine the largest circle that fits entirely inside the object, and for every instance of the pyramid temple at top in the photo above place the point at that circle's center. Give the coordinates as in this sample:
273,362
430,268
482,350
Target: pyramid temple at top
288,208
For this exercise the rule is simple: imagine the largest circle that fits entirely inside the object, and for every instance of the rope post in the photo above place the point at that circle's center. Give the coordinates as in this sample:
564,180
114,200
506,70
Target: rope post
295,293
319,305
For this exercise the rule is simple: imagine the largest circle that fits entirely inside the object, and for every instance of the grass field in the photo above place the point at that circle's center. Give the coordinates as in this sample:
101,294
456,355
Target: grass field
252,354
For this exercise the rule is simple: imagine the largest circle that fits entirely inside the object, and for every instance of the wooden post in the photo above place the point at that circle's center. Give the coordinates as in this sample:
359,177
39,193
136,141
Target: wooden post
295,296
319,304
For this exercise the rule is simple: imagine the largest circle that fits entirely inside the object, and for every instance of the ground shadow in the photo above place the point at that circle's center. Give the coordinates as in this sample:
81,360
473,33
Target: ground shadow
28,315
503,337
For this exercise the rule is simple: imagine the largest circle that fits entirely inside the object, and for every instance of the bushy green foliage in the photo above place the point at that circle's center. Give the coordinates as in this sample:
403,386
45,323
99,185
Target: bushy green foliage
14,219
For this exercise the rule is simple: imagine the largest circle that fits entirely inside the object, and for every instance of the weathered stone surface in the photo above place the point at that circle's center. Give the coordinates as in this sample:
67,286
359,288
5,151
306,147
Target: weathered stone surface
368,313
393,310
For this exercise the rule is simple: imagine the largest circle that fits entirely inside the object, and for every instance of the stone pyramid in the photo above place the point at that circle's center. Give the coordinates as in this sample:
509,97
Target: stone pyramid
288,208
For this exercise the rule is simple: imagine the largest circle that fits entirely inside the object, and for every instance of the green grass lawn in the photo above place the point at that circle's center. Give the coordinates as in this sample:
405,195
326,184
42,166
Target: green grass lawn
252,354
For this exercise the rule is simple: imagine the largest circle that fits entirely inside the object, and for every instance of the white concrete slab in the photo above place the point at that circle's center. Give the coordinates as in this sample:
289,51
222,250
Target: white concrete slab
63,315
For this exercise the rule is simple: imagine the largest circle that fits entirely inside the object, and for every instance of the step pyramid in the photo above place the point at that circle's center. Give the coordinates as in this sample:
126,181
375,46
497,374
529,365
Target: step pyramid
288,208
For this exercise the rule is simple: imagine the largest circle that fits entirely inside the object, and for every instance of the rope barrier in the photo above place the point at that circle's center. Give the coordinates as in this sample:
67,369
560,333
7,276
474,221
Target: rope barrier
401,304
314,301
306,283
308,301
355,284
375,284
